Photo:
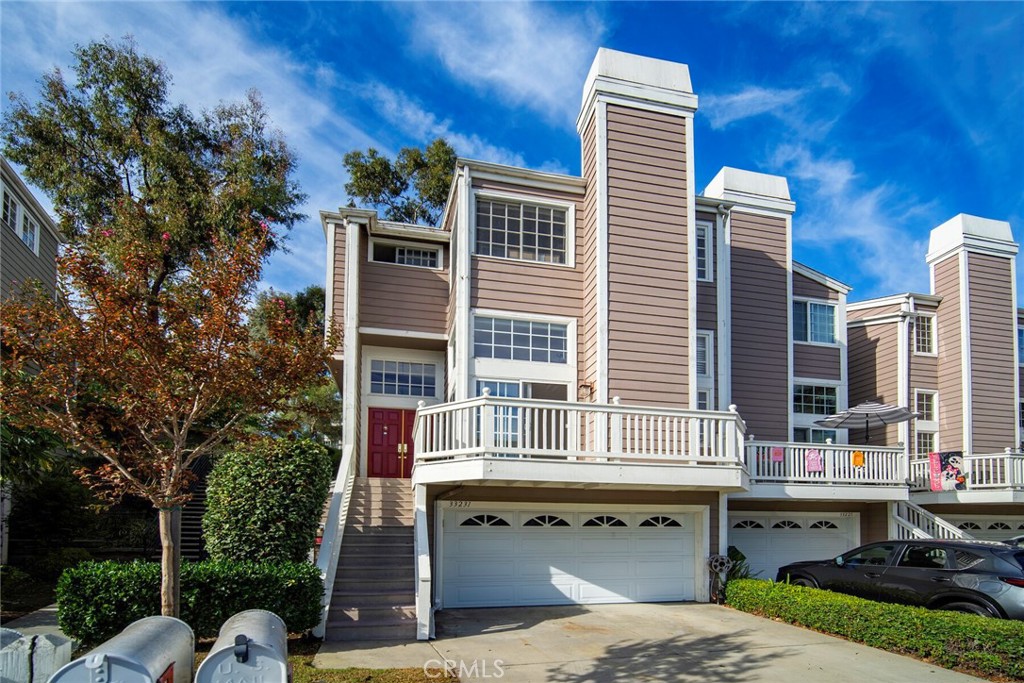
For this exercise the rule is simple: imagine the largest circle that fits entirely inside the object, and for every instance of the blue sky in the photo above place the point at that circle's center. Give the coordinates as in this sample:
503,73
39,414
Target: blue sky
887,118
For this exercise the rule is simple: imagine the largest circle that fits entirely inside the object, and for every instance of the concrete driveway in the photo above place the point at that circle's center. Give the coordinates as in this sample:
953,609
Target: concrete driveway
637,642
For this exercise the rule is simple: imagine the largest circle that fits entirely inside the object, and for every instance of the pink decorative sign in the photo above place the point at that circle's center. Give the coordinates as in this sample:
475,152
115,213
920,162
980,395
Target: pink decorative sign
815,463
778,453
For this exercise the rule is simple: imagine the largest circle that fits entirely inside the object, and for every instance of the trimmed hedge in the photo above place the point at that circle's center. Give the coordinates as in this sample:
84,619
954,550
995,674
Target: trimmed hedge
950,639
264,501
96,600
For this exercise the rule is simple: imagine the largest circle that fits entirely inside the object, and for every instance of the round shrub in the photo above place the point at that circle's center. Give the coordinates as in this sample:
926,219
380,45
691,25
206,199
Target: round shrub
264,501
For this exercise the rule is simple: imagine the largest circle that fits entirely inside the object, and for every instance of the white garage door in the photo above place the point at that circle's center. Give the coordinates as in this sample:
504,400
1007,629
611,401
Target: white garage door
560,556
771,540
988,527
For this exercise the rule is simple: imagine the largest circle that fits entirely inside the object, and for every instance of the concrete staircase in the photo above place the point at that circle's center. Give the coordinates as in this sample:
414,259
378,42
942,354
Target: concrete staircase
374,590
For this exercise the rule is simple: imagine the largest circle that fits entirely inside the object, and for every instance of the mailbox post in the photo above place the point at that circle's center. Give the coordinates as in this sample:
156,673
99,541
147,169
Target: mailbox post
252,646
150,650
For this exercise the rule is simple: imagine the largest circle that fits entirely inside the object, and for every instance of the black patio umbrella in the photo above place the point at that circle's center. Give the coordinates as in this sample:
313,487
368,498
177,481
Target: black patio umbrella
867,414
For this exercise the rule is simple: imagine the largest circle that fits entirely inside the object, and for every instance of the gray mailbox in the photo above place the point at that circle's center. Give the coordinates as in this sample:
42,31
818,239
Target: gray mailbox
252,647
150,650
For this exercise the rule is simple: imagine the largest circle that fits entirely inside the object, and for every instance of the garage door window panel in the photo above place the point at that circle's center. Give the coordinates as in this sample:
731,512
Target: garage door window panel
604,521
546,521
660,521
485,520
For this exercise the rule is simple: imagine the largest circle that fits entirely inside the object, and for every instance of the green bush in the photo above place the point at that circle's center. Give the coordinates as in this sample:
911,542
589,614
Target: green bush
264,501
96,600
994,647
50,566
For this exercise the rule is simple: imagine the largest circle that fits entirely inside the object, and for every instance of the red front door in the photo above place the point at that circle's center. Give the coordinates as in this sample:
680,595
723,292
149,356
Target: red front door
390,443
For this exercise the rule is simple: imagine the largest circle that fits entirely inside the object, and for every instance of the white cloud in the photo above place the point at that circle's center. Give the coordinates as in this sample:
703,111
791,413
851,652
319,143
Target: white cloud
751,101
871,227
405,113
525,54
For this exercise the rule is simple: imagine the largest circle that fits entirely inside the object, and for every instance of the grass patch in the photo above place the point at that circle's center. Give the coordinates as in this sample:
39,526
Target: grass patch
302,650
978,645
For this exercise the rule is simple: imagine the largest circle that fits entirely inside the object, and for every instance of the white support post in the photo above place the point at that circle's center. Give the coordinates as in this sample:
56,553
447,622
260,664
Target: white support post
616,427
424,611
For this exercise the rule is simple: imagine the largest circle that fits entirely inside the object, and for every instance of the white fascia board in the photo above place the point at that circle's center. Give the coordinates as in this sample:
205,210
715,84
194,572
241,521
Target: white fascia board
404,334
634,95
876,320
409,231
894,299
982,235
821,278
524,176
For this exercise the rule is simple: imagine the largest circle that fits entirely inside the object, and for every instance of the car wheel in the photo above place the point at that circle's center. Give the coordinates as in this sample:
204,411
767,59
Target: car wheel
803,581
970,608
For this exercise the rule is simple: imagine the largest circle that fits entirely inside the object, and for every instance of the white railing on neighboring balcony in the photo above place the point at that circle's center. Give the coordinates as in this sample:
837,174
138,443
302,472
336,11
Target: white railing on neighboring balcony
990,471
803,463
585,432
910,521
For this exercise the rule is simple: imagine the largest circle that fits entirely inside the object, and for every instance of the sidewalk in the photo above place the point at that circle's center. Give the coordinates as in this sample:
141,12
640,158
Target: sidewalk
37,623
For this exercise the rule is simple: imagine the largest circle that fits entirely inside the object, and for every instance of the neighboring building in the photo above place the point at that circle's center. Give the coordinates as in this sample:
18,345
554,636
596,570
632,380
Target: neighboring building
593,383
28,253
954,357
29,239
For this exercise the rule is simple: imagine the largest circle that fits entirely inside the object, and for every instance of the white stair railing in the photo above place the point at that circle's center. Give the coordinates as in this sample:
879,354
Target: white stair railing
334,529
913,521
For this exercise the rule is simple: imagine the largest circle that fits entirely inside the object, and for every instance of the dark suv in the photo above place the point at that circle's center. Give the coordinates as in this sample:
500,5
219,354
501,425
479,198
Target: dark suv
980,577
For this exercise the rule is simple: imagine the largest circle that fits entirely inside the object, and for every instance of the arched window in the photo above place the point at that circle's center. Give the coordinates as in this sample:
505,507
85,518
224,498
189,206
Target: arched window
660,520
546,520
604,520
484,520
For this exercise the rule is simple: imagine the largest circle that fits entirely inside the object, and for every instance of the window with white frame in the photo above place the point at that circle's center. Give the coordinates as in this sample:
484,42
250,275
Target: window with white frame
705,370
1020,345
813,435
402,378
703,399
29,231
705,364
809,399
926,426
10,210
814,322
526,232
525,340
924,334
705,252
18,219
405,254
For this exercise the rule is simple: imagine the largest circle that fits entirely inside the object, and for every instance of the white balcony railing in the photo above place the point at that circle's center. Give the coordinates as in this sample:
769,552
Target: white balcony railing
585,432
982,472
825,464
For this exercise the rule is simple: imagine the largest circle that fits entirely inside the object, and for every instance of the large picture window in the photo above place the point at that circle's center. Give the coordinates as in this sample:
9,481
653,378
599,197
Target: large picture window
814,322
525,232
527,340
814,400
400,378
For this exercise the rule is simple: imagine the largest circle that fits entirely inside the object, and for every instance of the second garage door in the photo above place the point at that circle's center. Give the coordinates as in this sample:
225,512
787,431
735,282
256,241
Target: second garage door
561,556
771,540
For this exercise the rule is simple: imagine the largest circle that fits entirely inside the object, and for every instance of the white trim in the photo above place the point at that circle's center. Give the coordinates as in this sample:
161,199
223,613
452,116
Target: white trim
723,288
844,348
530,200
502,368
821,278
403,334
709,248
706,381
691,252
601,250
686,110
965,359
806,420
903,362
789,320
331,230
463,286
487,170
25,196
436,248
350,394
1016,351
408,231
930,299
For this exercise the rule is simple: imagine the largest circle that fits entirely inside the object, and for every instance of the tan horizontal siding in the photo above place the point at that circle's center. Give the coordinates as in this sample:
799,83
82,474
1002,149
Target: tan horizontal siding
924,372
993,326
948,368
587,250
402,298
760,335
873,360
647,253
871,312
804,286
338,280
820,362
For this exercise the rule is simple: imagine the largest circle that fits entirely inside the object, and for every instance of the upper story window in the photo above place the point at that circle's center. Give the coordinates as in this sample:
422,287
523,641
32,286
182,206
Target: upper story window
924,334
17,219
813,435
1020,345
705,252
814,322
401,378
814,400
924,405
704,363
528,340
525,232
418,255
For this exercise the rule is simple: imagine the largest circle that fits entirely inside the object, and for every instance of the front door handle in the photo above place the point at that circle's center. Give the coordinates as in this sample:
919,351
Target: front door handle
941,579
871,575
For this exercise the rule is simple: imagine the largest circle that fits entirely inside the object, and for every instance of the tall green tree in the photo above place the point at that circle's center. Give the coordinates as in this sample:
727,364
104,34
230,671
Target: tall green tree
411,189
145,361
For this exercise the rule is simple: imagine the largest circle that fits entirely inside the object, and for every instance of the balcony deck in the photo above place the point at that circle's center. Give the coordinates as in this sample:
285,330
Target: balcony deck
523,442
989,478
825,472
